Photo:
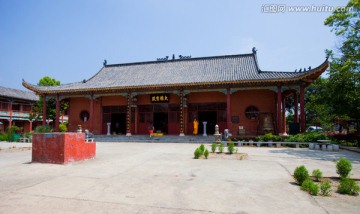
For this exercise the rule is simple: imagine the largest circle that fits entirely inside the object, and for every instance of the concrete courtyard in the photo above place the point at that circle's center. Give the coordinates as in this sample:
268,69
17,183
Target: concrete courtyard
164,178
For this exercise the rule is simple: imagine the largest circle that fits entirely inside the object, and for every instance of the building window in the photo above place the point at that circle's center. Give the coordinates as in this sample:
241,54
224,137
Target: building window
15,107
26,108
4,106
251,112
84,116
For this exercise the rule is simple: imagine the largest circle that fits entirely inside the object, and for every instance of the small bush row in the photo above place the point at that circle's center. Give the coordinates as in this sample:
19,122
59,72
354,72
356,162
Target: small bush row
343,168
268,137
200,151
308,137
231,147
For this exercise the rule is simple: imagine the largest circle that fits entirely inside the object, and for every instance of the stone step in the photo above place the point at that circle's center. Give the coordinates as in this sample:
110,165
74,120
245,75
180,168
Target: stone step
146,138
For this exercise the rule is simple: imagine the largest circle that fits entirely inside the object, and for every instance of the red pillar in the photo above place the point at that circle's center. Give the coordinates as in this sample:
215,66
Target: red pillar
128,115
182,113
30,125
284,117
278,113
57,113
44,110
11,113
302,109
228,109
296,110
91,119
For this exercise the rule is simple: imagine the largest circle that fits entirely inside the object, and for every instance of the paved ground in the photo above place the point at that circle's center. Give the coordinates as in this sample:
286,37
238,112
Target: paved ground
163,178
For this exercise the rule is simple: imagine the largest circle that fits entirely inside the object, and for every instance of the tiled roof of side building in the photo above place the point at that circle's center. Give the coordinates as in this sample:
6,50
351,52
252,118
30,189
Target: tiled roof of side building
181,72
18,94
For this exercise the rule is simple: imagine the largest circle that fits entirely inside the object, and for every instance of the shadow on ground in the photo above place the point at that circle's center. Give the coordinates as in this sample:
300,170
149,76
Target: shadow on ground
319,155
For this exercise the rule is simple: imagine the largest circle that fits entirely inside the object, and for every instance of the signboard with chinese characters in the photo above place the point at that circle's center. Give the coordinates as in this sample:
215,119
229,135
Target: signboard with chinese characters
159,98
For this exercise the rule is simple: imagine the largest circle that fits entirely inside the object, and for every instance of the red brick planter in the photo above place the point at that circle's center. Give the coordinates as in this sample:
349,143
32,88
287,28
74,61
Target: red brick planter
61,148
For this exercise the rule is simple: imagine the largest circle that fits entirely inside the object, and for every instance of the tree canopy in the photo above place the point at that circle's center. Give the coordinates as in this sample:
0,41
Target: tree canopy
338,96
48,81
51,101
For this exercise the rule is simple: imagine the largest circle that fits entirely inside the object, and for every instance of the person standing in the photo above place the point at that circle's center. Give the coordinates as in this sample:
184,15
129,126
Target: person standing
196,126
151,129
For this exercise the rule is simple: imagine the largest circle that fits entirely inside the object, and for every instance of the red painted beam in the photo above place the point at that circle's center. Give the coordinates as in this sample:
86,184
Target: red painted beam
57,113
302,108
278,113
44,110
228,109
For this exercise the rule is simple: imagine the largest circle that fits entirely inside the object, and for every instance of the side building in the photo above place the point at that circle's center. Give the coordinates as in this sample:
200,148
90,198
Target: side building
230,91
15,108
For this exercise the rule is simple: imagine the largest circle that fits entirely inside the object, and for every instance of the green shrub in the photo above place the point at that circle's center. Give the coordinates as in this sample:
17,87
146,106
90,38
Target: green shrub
197,153
306,185
213,147
311,187
231,147
268,137
314,189
221,147
202,149
3,137
343,167
206,153
348,186
43,129
27,134
62,127
317,174
11,131
308,137
301,174
325,188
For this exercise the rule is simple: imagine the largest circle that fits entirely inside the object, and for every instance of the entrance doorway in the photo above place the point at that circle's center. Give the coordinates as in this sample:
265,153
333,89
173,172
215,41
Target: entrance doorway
118,123
210,117
161,121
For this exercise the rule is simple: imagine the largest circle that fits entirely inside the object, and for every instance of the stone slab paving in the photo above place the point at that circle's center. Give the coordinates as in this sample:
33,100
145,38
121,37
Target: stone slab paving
163,178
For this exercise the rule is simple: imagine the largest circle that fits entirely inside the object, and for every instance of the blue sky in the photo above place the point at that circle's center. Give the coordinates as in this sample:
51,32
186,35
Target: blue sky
69,39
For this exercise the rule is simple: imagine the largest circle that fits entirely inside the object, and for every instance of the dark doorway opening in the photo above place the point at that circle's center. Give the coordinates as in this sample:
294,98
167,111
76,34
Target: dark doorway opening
118,123
210,117
161,122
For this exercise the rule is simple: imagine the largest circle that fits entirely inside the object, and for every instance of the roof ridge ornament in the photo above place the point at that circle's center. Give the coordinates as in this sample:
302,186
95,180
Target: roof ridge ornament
184,57
254,50
105,62
163,59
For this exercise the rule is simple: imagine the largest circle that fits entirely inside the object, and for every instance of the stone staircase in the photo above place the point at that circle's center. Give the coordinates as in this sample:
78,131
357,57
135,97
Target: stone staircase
162,139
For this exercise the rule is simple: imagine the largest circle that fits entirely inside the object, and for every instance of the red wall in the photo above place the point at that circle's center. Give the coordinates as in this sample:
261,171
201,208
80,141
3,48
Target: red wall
264,100
61,148
79,104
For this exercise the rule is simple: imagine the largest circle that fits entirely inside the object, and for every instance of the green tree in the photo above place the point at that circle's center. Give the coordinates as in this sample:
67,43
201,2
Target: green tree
50,101
48,81
343,86
318,110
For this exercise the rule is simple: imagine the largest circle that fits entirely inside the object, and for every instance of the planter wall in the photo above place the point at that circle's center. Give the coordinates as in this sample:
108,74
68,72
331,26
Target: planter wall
61,148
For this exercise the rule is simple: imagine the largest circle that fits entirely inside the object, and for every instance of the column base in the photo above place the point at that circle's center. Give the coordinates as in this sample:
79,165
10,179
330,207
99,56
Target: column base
182,135
128,134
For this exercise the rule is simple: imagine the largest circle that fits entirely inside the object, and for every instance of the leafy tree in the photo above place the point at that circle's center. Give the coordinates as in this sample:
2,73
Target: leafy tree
318,110
48,81
51,101
339,96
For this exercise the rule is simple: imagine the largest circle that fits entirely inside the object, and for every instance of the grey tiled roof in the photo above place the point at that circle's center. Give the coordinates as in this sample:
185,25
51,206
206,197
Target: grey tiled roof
18,94
183,72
